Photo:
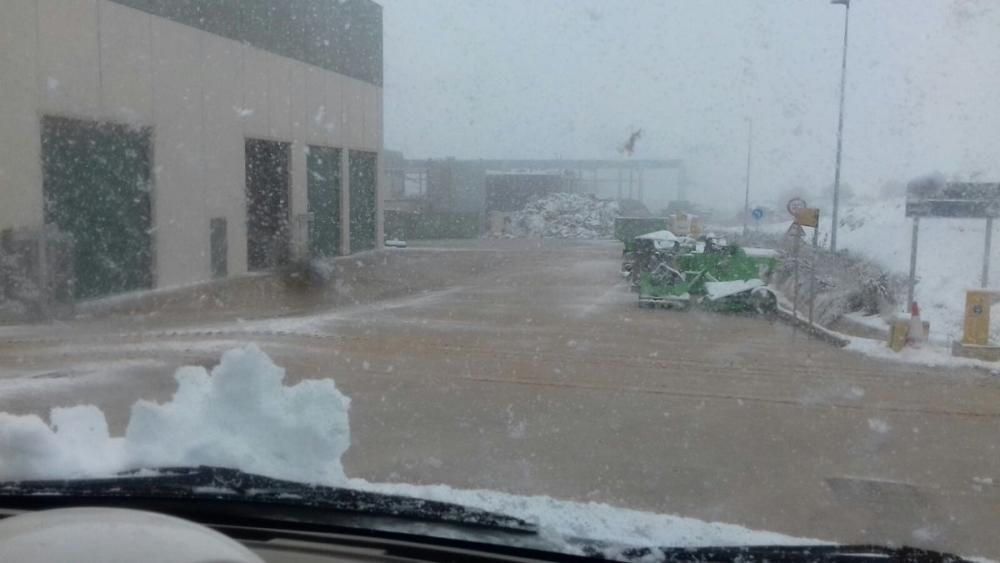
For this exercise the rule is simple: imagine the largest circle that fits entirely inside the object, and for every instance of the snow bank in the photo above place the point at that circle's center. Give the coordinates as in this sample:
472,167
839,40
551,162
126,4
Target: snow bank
241,415
928,355
949,261
566,215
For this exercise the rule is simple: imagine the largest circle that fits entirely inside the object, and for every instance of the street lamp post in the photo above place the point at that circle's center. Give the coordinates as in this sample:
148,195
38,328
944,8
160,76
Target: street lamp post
746,201
840,125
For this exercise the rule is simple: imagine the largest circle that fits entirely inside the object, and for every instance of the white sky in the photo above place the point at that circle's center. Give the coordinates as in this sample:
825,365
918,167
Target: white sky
571,78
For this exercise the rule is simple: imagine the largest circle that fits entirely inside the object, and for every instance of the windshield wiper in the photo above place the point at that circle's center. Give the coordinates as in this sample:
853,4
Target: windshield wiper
204,483
230,492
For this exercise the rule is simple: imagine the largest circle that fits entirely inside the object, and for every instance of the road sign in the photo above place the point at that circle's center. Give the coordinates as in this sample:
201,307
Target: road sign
795,204
795,230
758,214
933,197
807,217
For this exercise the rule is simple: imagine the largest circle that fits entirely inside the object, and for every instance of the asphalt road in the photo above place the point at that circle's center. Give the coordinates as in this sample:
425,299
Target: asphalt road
526,366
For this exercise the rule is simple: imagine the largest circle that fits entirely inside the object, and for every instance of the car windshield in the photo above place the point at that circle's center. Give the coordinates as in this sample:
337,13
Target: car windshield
651,272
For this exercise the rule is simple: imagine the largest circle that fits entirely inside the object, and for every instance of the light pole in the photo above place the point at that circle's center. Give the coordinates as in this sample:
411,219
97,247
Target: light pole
746,201
840,125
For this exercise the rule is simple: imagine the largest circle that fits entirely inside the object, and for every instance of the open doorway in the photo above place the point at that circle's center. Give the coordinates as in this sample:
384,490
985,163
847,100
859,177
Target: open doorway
267,181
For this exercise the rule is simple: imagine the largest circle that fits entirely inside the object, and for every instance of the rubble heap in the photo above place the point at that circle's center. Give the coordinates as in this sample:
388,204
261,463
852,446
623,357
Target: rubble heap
566,215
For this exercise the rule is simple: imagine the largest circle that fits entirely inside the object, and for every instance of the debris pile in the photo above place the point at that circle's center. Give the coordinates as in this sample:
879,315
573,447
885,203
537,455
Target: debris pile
566,215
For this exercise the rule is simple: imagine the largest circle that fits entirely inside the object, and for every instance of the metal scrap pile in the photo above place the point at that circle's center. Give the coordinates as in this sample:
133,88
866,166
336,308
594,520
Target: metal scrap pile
672,271
567,215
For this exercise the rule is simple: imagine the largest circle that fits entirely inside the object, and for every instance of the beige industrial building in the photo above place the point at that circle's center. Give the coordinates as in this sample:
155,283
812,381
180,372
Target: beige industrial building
183,140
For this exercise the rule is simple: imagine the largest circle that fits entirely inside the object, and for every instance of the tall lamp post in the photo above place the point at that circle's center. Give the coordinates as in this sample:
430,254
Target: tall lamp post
746,201
840,125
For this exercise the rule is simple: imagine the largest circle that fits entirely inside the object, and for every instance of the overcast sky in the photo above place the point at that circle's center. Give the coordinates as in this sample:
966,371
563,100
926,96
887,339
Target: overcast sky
572,78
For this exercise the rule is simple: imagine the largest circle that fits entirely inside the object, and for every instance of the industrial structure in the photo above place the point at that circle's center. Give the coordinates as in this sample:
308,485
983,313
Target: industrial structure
175,142
461,194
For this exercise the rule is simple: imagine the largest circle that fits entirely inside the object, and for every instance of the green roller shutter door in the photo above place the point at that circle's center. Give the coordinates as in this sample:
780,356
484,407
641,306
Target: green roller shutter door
364,169
323,194
267,182
96,182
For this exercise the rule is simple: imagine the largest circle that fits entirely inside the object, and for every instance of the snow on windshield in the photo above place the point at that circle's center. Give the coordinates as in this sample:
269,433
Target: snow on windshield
242,415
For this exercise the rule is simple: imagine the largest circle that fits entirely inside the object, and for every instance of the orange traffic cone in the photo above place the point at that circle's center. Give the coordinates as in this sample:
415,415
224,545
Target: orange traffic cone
916,333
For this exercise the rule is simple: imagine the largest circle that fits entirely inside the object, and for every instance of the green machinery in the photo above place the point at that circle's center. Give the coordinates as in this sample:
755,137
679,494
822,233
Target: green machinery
670,271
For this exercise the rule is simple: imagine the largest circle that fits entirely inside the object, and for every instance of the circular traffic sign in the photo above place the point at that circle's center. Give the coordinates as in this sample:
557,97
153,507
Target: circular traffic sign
758,214
796,204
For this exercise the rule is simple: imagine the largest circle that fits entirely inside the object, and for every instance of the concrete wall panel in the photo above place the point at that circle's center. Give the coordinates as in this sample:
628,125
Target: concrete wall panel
354,112
316,113
222,79
126,67
20,138
299,198
297,88
335,94
68,56
372,123
255,103
181,221
279,99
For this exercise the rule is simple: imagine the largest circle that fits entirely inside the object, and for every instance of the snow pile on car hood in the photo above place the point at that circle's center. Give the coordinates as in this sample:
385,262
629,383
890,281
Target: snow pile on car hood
241,415
566,215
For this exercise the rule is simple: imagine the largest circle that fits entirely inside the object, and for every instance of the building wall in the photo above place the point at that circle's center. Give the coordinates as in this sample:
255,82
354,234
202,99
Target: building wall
202,94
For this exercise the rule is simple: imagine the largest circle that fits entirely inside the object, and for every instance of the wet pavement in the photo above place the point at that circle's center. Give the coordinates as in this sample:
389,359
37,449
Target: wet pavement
527,367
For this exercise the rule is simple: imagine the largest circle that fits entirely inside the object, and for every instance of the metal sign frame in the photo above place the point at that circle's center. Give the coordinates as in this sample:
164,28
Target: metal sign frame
932,197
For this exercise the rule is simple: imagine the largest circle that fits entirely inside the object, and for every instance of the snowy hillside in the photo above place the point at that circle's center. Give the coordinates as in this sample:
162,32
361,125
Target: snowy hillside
949,261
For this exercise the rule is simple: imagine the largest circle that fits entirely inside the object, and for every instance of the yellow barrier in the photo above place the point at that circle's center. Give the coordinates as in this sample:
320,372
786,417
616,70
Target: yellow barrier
977,316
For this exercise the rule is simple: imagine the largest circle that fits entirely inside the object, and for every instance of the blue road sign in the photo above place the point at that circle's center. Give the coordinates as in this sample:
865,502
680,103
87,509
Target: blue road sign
758,214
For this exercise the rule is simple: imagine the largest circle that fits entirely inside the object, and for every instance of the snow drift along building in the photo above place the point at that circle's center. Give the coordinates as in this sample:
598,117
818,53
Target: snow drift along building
180,141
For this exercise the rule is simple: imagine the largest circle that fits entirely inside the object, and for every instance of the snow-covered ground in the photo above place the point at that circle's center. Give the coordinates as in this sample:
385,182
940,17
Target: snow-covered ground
949,260
927,355
241,415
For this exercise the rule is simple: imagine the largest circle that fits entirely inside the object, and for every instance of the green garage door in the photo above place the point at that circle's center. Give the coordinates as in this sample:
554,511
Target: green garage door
267,180
364,167
323,193
96,182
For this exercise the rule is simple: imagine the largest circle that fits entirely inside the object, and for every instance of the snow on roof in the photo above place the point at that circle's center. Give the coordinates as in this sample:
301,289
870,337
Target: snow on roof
718,290
760,252
659,235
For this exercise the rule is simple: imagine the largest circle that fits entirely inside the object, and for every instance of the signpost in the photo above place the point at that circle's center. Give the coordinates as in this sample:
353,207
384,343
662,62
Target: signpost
803,216
795,231
933,197
757,214
812,215
794,206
